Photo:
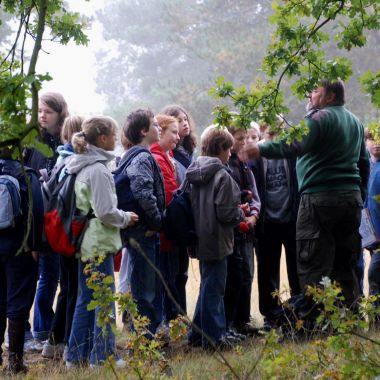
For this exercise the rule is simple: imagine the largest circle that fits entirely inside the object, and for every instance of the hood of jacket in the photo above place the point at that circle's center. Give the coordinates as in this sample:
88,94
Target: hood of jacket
77,162
65,150
203,169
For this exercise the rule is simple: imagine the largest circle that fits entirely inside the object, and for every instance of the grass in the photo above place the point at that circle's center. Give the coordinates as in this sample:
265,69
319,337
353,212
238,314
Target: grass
253,360
284,361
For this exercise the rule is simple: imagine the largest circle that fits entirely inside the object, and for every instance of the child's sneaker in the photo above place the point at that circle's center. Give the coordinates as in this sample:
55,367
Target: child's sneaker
33,345
70,365
51,351
120,363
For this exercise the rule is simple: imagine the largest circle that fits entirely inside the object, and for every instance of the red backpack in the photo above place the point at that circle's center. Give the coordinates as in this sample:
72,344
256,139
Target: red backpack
64,225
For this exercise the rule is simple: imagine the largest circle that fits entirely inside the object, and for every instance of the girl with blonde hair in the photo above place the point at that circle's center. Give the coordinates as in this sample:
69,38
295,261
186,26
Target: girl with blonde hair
95,190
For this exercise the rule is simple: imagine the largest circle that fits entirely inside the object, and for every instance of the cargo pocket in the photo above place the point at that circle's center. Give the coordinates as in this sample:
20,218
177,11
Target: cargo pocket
307,233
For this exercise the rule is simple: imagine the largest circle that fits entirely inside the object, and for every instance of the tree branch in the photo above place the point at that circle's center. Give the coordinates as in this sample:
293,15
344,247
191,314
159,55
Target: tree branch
42,9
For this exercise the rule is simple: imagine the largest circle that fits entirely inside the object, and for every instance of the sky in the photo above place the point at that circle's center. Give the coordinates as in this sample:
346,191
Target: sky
73,67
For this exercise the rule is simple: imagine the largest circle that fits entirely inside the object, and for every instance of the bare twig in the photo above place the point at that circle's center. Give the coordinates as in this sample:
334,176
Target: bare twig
135,245
42,9
26,24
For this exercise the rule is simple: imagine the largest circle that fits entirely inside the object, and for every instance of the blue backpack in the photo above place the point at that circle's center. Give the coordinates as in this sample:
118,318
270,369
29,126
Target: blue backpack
10,199
125,199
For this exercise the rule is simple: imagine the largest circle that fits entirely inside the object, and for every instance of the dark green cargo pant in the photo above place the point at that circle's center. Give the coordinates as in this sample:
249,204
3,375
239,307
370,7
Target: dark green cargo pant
328,240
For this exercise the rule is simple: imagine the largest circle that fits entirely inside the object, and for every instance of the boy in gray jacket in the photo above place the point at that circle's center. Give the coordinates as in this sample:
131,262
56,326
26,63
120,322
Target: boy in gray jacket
215,199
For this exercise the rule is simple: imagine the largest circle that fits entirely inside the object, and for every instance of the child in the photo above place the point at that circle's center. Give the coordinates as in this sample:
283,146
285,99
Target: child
52,111
146,185
95,189
184,151
184,156
215,199
68,267
240,264
373,207
162,152
18,273
253,133
278,190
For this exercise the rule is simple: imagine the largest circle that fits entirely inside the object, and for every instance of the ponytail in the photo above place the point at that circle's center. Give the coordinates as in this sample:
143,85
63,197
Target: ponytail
79,142
92,128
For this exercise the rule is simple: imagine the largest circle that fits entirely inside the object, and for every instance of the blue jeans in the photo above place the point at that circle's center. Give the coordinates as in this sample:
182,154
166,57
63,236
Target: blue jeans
48,268
143,279
87,342
209,313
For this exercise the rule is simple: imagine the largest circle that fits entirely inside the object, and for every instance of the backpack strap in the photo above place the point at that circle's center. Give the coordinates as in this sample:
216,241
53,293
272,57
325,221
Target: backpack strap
128,157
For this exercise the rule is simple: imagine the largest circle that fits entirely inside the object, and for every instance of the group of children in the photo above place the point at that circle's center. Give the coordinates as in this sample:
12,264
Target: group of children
233,202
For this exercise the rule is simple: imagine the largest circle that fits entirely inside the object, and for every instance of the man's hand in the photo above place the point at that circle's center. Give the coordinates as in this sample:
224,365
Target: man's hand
249,151
150,233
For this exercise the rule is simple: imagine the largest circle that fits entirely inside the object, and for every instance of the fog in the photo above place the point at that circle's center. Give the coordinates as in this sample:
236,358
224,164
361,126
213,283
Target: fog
73,67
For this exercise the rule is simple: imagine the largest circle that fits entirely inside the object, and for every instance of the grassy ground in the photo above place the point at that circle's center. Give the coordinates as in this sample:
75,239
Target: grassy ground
184,363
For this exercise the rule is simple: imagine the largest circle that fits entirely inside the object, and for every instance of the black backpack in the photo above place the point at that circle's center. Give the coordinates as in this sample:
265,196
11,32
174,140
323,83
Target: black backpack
178,221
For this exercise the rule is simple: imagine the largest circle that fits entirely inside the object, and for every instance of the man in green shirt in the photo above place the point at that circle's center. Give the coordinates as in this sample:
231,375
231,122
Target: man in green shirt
332,172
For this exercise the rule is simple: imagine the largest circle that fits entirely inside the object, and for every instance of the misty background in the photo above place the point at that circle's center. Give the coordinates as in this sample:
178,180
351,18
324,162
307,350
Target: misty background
150,53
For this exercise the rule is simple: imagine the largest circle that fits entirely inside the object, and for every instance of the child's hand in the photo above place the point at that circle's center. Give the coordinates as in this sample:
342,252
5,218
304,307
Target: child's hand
251,221
246,196
245,208
35,256
134,218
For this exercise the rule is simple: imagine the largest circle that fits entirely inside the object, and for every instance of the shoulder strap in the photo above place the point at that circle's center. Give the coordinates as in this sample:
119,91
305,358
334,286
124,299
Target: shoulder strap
128,157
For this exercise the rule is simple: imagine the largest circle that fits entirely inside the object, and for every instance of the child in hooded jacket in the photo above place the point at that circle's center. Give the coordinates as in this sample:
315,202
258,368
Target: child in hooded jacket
95,189
215,200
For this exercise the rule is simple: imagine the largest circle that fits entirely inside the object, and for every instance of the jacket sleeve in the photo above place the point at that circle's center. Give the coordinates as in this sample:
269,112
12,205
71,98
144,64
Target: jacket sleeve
227,200
141,176
309,142
104,200
35,237
255,203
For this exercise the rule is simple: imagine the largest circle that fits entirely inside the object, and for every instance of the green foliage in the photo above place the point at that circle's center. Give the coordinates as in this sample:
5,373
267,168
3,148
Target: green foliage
19,86
298,53
371,84
103,295
348,351
374,131
145,358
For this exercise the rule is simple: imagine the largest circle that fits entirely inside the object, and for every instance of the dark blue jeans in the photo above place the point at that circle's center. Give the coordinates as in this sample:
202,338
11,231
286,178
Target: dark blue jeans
48,267
87,341
18,279
209,313
143,280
